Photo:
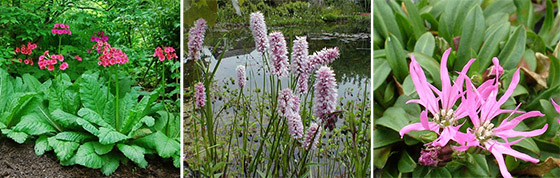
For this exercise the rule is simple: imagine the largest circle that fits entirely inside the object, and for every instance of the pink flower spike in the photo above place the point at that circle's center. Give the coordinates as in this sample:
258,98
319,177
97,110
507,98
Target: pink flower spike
200,95
325,97
278,54
258,28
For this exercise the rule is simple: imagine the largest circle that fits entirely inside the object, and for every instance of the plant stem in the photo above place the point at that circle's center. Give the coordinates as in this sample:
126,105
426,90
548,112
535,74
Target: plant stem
117,98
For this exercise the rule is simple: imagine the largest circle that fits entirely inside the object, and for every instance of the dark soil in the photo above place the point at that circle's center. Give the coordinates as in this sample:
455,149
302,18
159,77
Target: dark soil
21,161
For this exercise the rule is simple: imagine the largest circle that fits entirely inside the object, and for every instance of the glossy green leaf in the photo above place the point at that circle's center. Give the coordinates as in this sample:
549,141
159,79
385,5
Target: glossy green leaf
513,50
87,157
406,163
396,57
415,19
471,37
426,44
381,71
490,48
134,153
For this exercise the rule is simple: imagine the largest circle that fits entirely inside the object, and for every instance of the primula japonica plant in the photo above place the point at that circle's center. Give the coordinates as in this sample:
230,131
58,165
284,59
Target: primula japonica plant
484,109
276,127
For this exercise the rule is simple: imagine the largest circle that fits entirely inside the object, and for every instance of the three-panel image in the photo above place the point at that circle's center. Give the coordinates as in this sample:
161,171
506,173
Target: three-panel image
279,88
185,88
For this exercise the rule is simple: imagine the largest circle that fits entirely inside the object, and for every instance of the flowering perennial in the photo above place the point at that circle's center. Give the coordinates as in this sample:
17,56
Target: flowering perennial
258,27
323,57
61,29
100,37
278,54
26,49
312,136
47,61
112,56
481,105
196,38
325,92
241,76
169,53
200,95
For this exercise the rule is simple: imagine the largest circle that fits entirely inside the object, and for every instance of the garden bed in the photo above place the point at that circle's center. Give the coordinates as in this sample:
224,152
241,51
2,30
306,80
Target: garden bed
21,161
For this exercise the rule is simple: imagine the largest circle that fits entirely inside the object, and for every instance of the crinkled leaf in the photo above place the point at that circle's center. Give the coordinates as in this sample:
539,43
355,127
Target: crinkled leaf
111,164
87,157
88,126
109,136
64,149
164,145
102,149
42,145
93,117
18,137
134,153
66,120
78,137
92,93
32,124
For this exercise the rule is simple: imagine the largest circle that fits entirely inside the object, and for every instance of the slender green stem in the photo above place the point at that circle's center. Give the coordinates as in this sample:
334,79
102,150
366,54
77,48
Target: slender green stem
117,97
59,43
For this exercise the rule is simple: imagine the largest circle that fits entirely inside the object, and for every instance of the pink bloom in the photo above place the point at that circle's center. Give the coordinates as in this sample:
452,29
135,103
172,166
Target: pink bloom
312,136
61,29
170,53
258,28
51,68
200,95
159,53
302,84
241,76
325,92
323,57
484,130
278,54
78,58
445,119
63,66
557,108
196,38
284,106
300,60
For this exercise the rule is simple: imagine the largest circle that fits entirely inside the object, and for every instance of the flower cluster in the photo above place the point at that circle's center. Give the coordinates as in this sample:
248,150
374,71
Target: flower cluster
100,37
241,76
78,58
61,29
288,106
26,49
196,38
481,105
278,54
200,95
325,92
323,57
312,136
258,28
112,56
169,53
47,61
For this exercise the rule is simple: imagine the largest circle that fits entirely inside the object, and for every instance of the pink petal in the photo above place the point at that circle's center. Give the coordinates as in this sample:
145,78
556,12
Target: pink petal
507,125
555,106
501,163
498,147
512,133
422,86
417,127
445,83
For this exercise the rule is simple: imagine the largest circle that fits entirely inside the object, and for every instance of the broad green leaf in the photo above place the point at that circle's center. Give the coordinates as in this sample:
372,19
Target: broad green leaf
415,19
110,136
93,117
177,160
380,156
501,6
18,137
383,137
33,125
78,137
164,145
381,71
439,172
404,26
513,50
479,165
554,72
425,44
111,164
102,149
134,153
87,157
396,57
92,93
385,21
42,145
524,13
551,115
406,163
490,48
430,65
471,37
408,86
66,120
64,149
393,118
88,126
